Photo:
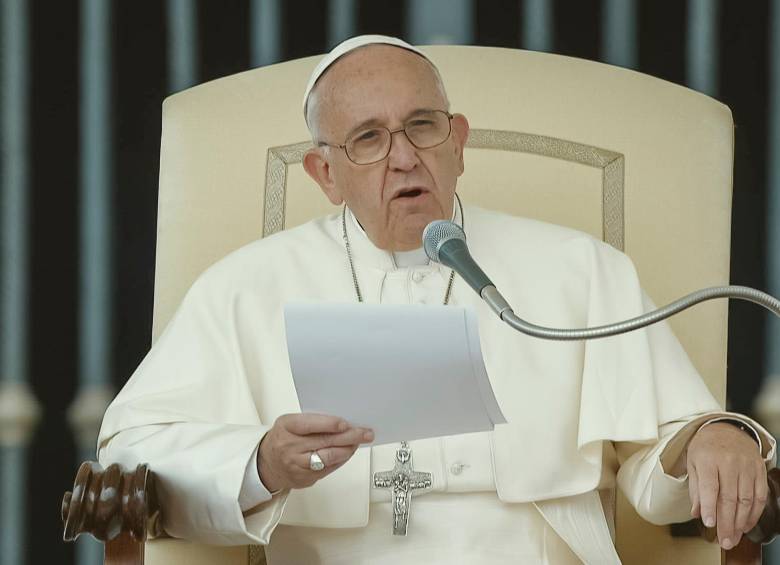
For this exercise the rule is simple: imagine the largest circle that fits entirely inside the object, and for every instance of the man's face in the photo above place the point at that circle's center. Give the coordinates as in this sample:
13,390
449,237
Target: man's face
393,199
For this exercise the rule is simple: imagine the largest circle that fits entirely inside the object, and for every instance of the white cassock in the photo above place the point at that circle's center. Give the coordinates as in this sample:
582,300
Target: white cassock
583,416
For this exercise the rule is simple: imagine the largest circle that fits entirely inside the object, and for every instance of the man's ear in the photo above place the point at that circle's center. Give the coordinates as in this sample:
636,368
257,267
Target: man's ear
316,164
460,134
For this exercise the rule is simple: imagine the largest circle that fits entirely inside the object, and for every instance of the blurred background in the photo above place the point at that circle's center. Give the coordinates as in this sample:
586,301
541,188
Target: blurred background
82,85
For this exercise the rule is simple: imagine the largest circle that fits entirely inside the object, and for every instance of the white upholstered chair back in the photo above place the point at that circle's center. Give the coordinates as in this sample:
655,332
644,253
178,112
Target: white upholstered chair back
640,162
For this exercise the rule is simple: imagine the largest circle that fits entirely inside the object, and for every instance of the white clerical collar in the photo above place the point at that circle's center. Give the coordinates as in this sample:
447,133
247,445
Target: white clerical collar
413,258
365,249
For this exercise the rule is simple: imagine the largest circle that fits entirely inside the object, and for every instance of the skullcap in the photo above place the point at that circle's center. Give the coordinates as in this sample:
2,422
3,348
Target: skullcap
350,45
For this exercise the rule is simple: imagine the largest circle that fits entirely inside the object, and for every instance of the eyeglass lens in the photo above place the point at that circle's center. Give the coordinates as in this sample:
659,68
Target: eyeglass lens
424,131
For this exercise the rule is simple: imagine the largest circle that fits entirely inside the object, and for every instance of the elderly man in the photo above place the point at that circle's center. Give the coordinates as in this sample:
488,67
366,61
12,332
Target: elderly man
213,409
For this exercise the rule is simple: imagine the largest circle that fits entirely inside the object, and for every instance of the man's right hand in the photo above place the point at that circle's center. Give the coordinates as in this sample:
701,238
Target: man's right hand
283,457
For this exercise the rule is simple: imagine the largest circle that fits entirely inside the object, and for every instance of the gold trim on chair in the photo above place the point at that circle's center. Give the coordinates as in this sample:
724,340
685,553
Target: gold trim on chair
612,165
256,555
277,160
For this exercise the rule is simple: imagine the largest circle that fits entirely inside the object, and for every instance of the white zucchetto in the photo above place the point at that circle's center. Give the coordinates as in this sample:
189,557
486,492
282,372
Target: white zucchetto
350,45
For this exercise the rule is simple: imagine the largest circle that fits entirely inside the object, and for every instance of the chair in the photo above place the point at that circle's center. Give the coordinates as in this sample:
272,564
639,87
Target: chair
644,164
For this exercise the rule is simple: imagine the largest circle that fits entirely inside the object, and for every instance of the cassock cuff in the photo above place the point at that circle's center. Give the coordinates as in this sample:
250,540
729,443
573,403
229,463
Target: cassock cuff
253,491
261,510
261,521
676,445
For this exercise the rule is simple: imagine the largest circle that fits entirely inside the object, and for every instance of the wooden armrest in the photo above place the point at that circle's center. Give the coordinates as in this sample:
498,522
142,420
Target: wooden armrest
115,506
119,507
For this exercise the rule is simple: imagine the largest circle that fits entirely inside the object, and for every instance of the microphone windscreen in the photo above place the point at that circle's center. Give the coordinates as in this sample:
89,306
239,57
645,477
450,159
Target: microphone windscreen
437,233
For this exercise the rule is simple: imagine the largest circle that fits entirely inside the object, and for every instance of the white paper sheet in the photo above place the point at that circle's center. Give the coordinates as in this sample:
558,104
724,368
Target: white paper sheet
406,371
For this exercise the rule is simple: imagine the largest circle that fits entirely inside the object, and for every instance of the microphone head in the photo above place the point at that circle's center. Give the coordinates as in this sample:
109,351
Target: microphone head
437,233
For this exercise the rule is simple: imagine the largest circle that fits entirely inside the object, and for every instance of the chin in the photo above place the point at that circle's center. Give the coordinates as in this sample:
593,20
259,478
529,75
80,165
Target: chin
410,237
406,232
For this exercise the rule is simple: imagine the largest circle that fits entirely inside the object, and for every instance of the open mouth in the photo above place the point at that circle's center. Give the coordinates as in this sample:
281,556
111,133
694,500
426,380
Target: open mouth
411,193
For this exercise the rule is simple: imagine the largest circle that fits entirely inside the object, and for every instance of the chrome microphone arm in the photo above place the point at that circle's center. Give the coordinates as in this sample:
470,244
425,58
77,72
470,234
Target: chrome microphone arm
445,242
501,307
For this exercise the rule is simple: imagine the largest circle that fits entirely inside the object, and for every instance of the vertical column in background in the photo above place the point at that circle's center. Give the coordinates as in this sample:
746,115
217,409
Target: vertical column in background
18,407
95,238
440,21
265,32
619,33
701,50
182,44
341,21
537,25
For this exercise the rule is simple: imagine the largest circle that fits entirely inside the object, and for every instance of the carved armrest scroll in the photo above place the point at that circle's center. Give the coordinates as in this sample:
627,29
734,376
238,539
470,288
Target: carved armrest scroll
111,503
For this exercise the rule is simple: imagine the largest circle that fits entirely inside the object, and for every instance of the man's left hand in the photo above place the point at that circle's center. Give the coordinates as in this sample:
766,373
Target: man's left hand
727,481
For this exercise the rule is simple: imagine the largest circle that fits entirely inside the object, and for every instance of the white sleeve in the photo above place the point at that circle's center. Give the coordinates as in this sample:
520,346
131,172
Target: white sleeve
253,491
188,412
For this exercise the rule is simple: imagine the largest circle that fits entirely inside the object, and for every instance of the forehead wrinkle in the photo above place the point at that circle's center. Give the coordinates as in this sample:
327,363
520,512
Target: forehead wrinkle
361,66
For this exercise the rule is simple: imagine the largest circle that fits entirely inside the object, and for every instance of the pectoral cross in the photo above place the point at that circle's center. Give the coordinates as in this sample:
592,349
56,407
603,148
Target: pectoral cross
401,481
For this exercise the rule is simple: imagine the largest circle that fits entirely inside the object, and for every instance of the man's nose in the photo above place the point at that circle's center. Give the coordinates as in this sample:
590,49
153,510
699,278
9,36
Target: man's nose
403,155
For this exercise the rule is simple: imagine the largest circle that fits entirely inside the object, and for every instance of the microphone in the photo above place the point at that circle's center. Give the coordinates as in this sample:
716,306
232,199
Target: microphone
445,242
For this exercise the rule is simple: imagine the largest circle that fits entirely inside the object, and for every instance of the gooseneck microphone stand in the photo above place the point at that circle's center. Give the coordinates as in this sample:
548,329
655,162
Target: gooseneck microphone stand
445,243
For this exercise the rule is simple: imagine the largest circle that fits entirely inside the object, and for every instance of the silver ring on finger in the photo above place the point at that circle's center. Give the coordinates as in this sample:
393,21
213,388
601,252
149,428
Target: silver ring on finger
315,462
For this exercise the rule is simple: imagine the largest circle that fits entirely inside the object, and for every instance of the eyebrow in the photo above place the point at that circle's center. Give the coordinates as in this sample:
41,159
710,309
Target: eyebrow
375,122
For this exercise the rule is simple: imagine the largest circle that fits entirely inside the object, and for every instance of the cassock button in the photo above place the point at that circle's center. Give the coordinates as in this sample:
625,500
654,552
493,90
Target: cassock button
457,468
418,276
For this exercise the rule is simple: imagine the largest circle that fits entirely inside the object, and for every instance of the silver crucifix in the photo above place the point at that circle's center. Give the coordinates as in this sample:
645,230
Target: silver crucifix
401,481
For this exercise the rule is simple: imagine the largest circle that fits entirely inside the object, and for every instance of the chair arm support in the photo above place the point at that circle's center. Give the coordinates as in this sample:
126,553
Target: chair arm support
116,504
111,503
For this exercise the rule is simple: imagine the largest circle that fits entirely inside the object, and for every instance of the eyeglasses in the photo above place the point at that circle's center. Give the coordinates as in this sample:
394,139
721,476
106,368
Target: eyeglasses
371,145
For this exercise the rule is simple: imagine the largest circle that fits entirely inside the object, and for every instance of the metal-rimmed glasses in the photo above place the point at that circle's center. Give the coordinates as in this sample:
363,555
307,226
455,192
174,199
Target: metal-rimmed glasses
425,129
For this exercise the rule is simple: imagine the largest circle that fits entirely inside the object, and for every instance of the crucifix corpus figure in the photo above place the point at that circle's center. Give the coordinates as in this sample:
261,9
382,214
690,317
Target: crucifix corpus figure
401,481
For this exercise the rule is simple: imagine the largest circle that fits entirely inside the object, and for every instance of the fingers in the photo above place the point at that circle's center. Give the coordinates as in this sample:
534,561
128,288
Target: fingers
728,485
759,502
285,450
708,493
334,449
331,456
305,424
693,492
353,436
727,509
742,494
745,500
